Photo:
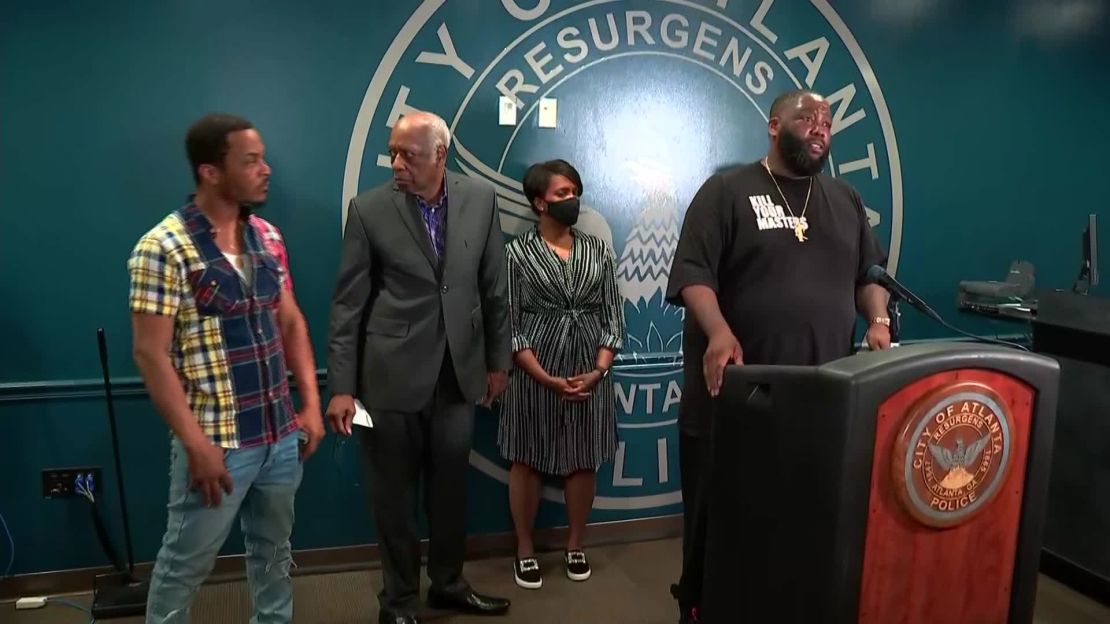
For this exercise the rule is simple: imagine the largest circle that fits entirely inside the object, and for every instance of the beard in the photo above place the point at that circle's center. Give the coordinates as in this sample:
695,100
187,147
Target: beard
796,156
249,196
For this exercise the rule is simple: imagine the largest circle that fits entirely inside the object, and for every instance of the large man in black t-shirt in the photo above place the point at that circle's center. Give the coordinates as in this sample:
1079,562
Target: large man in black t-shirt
770,266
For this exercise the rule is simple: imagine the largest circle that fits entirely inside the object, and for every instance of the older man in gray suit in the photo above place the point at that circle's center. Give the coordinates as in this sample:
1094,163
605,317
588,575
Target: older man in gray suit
419,332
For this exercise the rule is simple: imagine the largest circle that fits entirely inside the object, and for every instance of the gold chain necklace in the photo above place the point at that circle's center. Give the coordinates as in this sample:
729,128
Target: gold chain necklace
799,227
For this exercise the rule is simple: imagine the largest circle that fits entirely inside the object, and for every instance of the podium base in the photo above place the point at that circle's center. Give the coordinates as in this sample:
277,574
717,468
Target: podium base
118,595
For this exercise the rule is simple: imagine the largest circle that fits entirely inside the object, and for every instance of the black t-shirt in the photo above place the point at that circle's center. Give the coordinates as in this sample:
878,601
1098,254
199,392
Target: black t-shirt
787,302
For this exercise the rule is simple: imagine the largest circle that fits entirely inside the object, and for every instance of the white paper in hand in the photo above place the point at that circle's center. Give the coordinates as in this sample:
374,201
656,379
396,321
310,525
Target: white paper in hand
362,417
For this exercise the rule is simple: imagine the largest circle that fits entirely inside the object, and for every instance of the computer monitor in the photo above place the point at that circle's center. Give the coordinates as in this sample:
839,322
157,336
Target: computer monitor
1088,271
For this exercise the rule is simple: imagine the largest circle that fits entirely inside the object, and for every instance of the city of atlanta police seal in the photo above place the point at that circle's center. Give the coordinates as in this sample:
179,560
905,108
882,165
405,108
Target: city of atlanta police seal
953,454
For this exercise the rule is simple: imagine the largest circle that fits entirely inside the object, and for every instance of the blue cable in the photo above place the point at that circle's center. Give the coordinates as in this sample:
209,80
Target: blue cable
79,486
73,605
11,558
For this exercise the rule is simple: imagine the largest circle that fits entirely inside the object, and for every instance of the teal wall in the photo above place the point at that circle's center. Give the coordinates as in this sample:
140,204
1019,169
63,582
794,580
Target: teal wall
996,113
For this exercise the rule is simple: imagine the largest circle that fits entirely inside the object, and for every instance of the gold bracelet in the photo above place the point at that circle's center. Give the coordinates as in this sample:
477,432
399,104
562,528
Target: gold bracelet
881,320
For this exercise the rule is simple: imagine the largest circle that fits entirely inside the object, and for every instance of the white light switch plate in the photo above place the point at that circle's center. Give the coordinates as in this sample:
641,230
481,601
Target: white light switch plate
548,112
506,111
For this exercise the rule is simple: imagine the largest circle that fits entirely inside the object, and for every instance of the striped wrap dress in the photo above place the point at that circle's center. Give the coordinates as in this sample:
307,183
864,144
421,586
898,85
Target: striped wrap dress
564,311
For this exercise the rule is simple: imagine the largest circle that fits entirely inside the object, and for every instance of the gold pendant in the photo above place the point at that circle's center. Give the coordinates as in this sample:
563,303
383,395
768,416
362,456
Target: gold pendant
799,232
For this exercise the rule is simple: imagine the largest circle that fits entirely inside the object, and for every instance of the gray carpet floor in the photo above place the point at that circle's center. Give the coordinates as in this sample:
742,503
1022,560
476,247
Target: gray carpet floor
629,586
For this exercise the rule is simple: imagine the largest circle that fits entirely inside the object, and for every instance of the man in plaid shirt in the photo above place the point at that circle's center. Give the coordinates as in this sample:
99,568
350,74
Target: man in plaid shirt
216,330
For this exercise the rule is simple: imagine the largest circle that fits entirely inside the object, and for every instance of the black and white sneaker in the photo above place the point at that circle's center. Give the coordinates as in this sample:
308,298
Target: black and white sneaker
578,569
527,573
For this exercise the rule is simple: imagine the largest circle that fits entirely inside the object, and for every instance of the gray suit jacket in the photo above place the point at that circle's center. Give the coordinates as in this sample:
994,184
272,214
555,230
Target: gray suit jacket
393,314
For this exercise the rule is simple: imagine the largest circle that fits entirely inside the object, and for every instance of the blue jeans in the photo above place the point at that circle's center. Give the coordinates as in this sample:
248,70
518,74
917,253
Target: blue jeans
264,482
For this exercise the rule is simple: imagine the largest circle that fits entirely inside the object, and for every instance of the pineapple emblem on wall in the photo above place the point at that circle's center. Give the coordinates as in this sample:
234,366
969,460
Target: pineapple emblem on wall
654,327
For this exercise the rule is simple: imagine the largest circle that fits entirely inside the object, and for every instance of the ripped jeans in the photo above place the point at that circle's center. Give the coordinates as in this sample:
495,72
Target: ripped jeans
264,482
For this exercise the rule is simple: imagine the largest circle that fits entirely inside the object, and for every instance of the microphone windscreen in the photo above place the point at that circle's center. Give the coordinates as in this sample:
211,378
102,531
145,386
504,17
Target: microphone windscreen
876,273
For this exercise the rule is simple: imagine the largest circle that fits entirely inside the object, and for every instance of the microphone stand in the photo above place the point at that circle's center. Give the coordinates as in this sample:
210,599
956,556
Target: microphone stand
931,313
895,319
118,594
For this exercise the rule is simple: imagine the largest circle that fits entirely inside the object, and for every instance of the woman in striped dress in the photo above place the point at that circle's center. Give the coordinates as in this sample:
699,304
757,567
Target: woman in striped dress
568,323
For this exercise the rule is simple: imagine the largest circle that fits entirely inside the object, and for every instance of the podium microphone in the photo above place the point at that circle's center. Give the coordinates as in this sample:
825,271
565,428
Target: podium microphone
878,275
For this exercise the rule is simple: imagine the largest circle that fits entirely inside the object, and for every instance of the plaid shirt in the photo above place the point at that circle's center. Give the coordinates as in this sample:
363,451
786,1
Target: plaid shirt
435,219
227,346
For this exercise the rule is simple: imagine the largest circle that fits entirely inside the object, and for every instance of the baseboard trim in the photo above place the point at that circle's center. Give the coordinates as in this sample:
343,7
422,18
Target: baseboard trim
1075,576
357,557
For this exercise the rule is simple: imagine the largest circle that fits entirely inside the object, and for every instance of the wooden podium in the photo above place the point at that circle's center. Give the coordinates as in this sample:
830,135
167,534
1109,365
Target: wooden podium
904,486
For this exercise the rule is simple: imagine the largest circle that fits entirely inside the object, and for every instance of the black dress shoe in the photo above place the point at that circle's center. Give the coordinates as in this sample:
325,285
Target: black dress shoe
468,601
389,617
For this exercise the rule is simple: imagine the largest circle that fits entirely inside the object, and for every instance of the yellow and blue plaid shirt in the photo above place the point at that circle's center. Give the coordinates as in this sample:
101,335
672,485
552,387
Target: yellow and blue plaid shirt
227,347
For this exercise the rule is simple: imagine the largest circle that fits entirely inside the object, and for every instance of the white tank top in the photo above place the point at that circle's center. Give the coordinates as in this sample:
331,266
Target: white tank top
242,265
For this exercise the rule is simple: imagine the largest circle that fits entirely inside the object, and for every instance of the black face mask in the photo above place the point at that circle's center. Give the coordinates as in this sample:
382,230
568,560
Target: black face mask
565,212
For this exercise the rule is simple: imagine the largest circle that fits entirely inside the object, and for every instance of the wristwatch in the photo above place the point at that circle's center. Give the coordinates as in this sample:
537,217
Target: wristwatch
881,320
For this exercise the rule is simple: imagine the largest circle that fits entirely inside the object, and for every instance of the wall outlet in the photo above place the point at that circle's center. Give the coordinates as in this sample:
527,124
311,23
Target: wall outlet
62,482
